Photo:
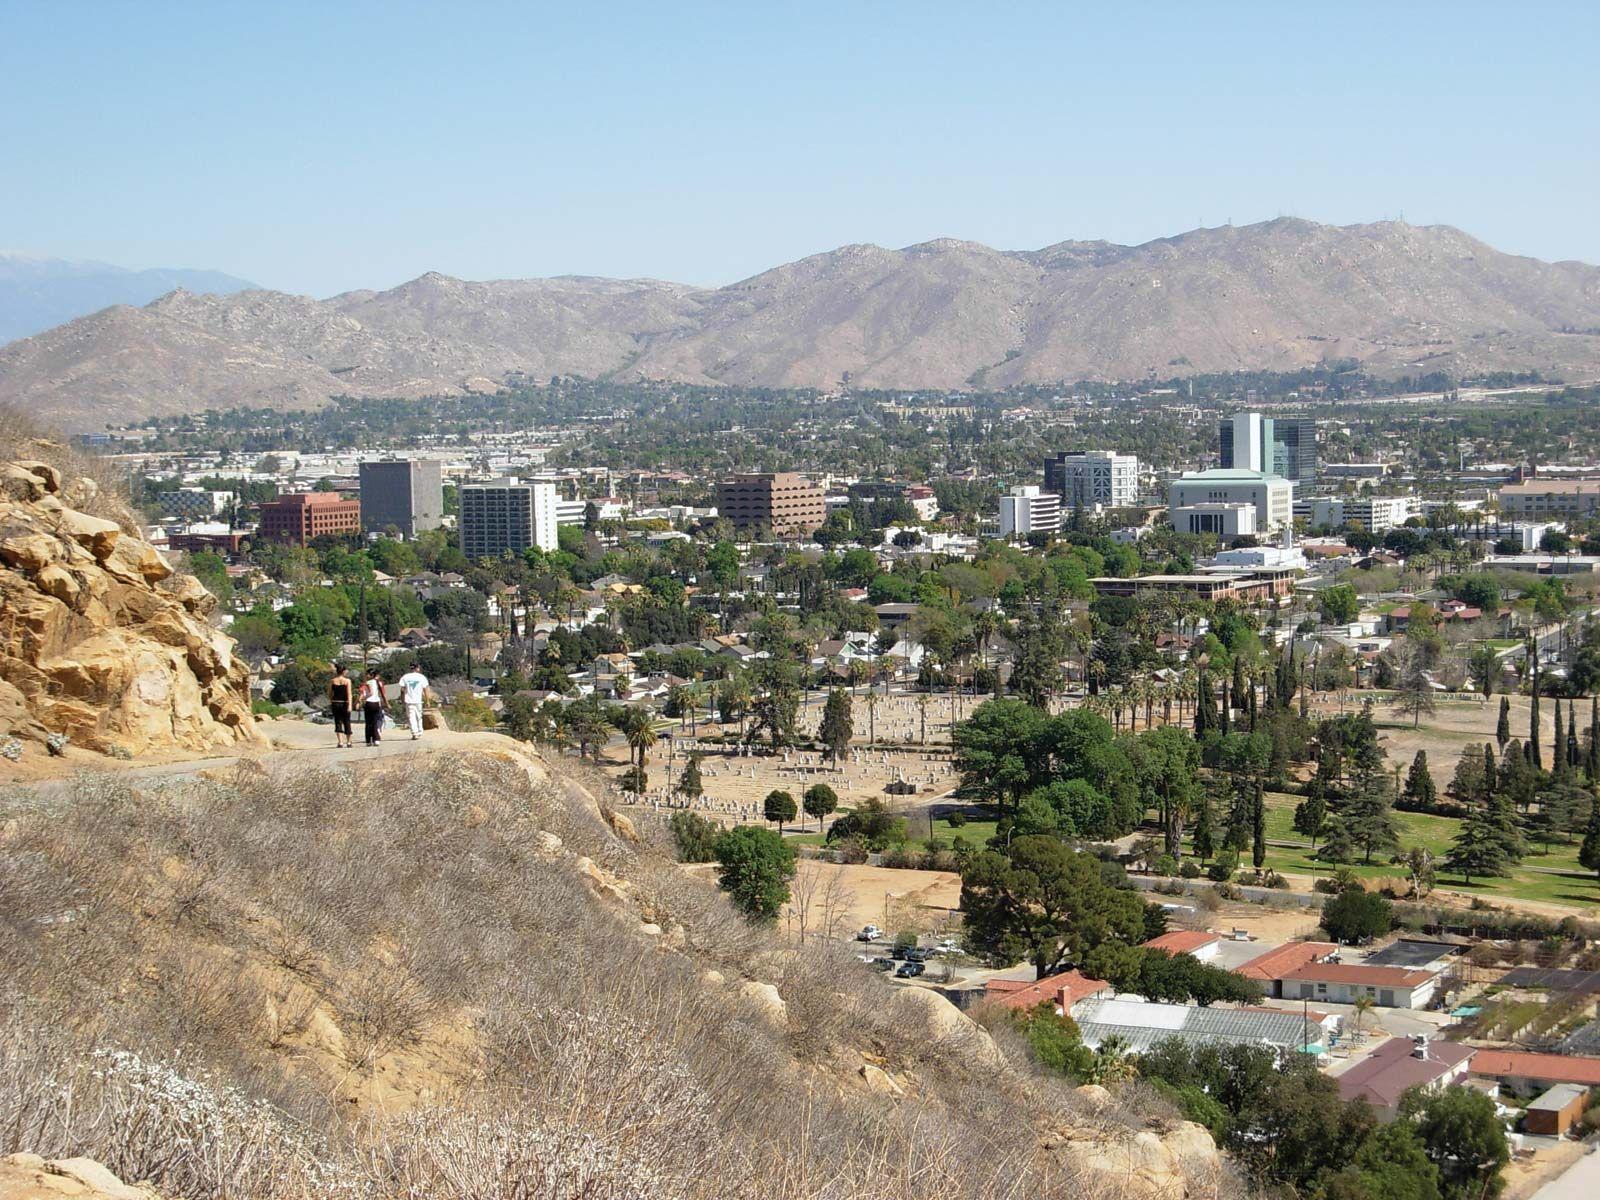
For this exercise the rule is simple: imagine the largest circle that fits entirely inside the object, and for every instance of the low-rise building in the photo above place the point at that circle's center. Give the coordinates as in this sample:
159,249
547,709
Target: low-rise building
1065,991
1138,1025
1269,968
1250,587
1226,521
1555,1112
1200,943
1526,1073
1345,983
301,516
1401,1064
1377,514
1540,499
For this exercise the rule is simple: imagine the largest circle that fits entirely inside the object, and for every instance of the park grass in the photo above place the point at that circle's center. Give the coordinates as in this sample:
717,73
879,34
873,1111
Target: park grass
1555,877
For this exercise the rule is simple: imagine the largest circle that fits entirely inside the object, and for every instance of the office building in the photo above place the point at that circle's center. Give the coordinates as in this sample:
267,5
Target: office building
1089,478
301,516
1029,509
1271,495
507,516
785,502
404,494
1537,499
1376,514
1285,446
193,504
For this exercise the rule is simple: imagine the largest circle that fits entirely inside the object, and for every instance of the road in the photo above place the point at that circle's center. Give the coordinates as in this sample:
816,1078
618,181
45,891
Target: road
1580,1181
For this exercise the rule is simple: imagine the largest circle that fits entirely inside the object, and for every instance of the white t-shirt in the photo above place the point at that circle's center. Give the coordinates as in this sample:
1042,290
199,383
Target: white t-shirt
412,685
372,692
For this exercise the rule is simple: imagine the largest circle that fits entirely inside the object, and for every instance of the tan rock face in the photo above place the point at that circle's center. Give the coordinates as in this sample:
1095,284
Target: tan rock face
99,640
29,1177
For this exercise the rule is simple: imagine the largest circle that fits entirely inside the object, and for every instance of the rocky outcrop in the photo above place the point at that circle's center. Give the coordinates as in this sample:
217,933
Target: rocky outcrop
101,642
1146,1165
29,1177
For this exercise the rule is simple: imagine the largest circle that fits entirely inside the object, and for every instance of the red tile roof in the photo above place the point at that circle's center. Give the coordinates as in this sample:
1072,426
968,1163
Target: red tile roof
1064,990
1388,1071
1182,941
1287,957
1547,1068
1356,973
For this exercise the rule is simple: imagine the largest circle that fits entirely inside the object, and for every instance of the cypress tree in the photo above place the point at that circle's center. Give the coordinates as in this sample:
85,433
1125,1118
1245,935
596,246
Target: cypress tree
1589,852
1488,771
1574,755
1420,794
1258,843
1594,738
1225,712
1205,835
1535,758
1502,729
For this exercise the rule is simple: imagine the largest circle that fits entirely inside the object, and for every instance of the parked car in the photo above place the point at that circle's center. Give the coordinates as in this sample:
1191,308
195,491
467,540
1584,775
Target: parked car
897,951
869,933
915,955
910,970
949,946
883,964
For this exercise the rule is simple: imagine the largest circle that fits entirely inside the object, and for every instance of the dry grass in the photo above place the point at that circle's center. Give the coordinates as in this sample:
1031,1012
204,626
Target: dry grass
300,985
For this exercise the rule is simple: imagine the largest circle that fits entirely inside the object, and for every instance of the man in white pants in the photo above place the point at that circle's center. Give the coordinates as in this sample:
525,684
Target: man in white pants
413,687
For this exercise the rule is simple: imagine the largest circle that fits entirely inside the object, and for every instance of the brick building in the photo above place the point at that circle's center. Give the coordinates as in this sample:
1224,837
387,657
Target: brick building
785,501
301,516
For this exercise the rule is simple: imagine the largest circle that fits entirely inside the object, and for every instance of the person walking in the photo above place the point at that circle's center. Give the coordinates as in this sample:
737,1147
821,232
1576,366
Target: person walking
413,689
341,699
372,706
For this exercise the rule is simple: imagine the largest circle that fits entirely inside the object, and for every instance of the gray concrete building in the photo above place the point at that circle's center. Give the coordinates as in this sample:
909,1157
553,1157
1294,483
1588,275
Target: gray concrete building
406,494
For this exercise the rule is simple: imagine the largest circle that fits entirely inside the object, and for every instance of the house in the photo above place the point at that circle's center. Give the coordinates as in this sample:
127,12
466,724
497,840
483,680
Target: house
1525,1073
1269,968
1345,983
1065,990
1553,1113
1138,1025
1401,1064
1200,943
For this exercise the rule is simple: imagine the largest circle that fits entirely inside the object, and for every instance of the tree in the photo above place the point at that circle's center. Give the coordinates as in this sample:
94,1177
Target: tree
696,837
779,808
1003,750
1413,690
836,729
1535,757
754,866
1166,762
1419,794
819,801
1367,814
689,782
1391,1165
1204,837
1464,1138
1311,816
1258,832
1355,915
1046,903
1477,849
1502,728
1339,605
1589,852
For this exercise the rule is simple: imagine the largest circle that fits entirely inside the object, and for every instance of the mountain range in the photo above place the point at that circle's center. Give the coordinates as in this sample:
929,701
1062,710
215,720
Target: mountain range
37,293
1278,295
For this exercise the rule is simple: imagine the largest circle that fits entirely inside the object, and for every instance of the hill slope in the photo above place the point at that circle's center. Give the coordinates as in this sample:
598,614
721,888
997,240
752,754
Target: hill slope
36,292
948,314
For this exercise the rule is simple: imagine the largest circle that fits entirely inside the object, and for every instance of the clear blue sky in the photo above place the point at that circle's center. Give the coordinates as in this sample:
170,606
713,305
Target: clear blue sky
319,147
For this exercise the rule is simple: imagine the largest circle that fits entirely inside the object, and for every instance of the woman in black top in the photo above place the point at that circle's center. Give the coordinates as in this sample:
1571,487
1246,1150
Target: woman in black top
341,699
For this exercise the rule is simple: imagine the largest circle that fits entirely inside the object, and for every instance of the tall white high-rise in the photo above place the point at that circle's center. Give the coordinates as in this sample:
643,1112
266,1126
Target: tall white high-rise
507,516
1029,509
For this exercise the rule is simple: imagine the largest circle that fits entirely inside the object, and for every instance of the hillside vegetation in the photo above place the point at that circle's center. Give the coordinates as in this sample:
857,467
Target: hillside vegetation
455,978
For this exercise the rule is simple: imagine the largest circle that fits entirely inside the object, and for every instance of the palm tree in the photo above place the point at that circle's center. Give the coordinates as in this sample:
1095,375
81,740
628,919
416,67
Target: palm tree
1359,1012
871,701
923,700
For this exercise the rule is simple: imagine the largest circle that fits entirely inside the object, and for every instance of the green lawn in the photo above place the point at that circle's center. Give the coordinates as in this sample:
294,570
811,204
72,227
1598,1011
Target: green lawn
1555,878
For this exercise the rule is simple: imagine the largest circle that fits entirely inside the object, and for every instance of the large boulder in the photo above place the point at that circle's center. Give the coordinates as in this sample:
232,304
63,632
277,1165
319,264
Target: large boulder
929,1018
29,1177
99,640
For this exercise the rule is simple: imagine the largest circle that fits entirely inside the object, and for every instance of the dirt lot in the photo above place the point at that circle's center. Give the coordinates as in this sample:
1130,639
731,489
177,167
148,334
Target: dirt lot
1455,724
924,901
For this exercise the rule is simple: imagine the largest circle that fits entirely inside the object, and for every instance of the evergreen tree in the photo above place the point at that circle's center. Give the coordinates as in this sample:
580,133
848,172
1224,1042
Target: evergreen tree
836,728
1368,816
1507,828
1311,815
1205,834
1489,773
1589,852
1241,815
1502,729
1574,755
1339,847
1420,795
1205,715
1258,841
689,782
1593,758
1477,850
1535,757
1225,711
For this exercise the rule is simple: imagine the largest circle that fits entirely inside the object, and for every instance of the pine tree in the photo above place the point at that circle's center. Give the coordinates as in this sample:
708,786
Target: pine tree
1420,794
1589,852
1311,816
1476,849
1258,841
836,728
1506,828
1368,816
1502,729
1339,846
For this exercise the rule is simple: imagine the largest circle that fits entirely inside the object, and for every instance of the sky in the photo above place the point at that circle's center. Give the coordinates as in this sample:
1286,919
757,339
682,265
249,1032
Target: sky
322,147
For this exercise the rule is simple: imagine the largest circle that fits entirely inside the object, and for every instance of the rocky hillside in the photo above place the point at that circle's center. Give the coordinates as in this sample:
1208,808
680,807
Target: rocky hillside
1279,295
102,645
458,976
